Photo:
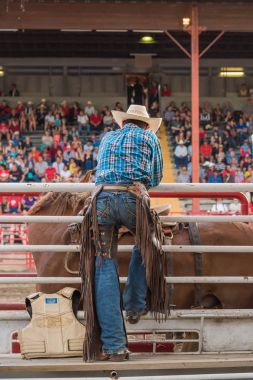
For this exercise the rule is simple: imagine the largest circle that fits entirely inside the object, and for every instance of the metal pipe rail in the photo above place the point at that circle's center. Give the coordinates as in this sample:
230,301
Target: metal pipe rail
128,248
169,280
79,219
87,187
213,376
20,315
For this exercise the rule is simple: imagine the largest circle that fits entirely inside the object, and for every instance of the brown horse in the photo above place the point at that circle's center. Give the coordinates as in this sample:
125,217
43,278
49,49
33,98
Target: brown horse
214,264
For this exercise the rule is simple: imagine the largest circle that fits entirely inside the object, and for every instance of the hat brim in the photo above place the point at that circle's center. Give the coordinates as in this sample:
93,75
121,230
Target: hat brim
153,122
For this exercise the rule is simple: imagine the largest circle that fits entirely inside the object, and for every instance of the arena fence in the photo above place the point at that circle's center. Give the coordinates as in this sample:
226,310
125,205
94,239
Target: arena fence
214,376
215,188
201,323
175,218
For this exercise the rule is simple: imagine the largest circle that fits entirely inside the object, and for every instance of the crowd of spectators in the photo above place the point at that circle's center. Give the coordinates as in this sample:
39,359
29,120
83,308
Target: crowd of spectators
70,137
226,142
69,142
71,134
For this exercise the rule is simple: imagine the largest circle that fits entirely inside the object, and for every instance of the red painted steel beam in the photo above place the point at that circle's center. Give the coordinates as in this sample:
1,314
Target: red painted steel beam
211,44
176,42
32,193
166,194
234,195
195,100
12,306
18,275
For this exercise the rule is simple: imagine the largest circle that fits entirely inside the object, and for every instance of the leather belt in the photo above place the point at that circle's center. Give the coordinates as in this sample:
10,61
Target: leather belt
119,188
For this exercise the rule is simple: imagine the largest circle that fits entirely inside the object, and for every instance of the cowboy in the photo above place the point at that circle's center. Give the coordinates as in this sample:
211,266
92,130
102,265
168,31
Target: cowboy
127,155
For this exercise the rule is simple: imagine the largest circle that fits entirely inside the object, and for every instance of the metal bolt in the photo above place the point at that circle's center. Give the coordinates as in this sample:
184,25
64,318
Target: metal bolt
114,375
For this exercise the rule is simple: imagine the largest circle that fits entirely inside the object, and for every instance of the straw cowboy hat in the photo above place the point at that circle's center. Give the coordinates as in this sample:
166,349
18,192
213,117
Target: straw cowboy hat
136,112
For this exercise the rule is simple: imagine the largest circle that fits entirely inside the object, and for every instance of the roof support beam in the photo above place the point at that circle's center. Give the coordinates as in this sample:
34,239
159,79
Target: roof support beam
211,44
176,42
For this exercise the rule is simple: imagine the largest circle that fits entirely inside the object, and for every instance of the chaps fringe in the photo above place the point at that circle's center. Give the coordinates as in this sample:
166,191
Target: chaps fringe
149,238
92,344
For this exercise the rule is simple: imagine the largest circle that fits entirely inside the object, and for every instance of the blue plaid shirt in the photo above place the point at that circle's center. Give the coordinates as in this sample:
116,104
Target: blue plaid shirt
130,154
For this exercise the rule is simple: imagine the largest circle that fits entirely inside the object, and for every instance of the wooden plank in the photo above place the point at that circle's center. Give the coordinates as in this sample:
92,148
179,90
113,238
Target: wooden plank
93,16
124,15
137,362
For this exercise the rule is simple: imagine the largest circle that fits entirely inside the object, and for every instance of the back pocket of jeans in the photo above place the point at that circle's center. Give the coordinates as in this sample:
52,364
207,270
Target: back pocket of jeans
130,205
103,207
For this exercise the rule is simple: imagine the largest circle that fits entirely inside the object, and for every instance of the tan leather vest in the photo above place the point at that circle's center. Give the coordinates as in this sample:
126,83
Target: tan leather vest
54,330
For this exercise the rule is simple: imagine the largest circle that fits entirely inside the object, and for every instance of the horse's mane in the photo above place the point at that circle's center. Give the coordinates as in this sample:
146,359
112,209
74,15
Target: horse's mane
60,201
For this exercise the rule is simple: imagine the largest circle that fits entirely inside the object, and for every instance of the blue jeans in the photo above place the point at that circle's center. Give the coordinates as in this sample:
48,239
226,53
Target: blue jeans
118,208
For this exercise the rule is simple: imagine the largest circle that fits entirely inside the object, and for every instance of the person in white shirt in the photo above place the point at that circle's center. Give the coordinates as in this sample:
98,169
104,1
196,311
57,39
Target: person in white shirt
47,140
65,173
235,207
40,167
83,122
181,154
49,120
58,165
88,147
219,207
68,154
89,109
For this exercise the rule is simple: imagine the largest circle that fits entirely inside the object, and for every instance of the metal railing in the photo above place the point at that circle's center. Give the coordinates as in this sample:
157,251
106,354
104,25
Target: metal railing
164,190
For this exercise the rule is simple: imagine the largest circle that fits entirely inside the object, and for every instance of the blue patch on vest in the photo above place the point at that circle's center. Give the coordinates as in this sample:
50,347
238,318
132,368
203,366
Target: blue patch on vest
51,300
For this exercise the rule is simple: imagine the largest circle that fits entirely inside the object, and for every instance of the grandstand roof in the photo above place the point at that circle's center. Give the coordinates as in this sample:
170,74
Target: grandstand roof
44,28
54,43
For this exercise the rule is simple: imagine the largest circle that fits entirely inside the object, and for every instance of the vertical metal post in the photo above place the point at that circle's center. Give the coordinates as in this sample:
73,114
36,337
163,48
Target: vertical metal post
195,100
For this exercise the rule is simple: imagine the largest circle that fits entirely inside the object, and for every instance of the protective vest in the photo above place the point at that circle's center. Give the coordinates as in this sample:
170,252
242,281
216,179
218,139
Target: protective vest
54,330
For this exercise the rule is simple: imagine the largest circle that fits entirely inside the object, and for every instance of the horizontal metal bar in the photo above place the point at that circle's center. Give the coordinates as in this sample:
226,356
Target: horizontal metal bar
210,280
128,248
40,280
212,313
207,218
40,219
15,315
207,248
213,376
198,248
46,187
176,218
169,280
174,314
11,356
87,187
39,248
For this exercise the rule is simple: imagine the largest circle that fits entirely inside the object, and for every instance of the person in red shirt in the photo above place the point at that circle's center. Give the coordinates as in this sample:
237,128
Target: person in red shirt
50,174
14,204
53,150
65,110
206,150
166,91
14,125
202,134
228,174
5,109
19,108
4,173
4,131
35,154
95,121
